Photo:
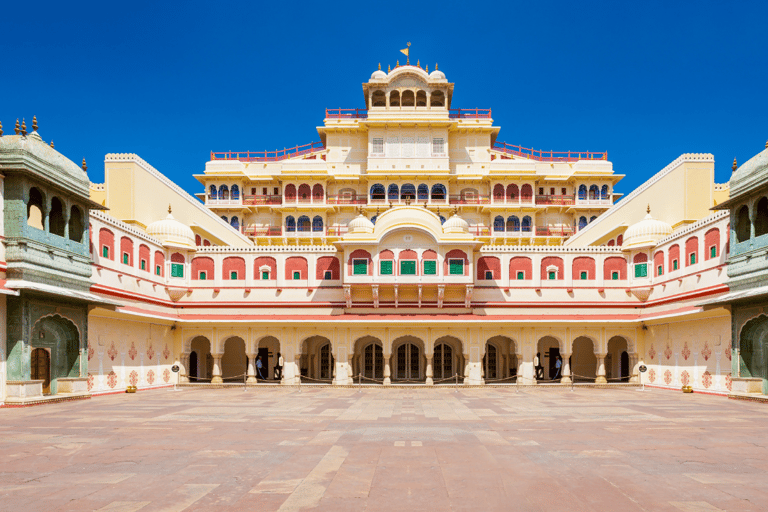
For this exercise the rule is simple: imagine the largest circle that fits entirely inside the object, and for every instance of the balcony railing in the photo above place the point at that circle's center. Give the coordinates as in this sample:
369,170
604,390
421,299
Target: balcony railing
549,156
547,231
257,200
469,113
518,200
265,231
556,200
223,202
304,200
480,230
460,199
280,231
346,113
383,200
584,200
347,199
268,156
520,233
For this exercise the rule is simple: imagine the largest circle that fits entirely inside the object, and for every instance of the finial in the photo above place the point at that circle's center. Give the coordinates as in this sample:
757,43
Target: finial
389,68
418,65
1,128
85,167
427,68
426,203
408,201
51,144
455,210
16,128
377,211
23,127
390,204
648,210
766,142
379,66
435,66
397,63
34,123
735,165
169,208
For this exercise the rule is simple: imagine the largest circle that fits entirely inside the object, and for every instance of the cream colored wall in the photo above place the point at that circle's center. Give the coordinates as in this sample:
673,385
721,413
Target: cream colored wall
137,192
689,179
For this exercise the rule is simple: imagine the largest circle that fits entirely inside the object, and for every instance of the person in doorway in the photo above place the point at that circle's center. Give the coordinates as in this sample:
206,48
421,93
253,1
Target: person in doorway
558,367
537,366
279,367
259,366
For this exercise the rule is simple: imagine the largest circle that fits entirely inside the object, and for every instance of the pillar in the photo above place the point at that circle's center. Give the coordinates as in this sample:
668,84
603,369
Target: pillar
387,369
465,362
251,371
601,369
350,370
429,381
566,369
184,373
216,379
297,379
634,378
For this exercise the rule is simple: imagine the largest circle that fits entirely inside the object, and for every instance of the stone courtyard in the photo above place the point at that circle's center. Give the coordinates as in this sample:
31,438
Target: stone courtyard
387,449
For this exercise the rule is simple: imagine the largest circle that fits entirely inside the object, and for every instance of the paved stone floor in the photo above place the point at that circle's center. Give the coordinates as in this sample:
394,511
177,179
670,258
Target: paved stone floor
387,449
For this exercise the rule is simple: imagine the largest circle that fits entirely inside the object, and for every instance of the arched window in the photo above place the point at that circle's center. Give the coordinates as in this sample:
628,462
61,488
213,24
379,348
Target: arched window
223,192
235,222
442,219
408,191
378,99
393,192
592,218
377,191
438,191
317,224
225,219
409,99
437,99
498,192
302,225
317,193
423,193
212,192
742,224
304,193
56,217
35,209
498,224
526,193
290,193
394,99
512,192
235,192
594,192
582,192
582,222
619,240
421,98
527,224
604,192
290,224
761,217
75,224
513,223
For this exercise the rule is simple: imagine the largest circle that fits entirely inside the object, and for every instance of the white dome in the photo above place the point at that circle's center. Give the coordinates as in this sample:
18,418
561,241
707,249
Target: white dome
437,75
379,75
360,224
171,232
455,225
645,233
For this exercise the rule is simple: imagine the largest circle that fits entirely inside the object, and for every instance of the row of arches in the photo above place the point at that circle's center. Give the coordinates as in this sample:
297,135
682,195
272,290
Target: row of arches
583,221
224,192
265,268
54,217
146,261
408,191
234,221
408,98
751,220
304,194
672,260
552,268
406,359
303,224
512,193
594,192
513,224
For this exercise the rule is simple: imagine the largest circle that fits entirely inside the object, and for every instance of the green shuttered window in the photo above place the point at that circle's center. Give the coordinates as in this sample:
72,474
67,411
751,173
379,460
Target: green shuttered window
385,267
430,267
641,270
177,270
520,275
456,267
408,268
360,267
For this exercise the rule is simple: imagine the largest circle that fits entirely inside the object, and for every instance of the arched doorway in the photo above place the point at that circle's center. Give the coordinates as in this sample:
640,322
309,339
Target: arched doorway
203,367
369,358
41,368
192,366
447,358
753,344
583,360
326,362
408,353
269,347
317,361
500,361
617,360
234,363
548,349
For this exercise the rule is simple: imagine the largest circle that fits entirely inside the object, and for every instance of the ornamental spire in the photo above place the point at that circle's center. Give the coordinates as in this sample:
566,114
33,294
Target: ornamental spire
34,123
85,167
735,165
23,127
1,128
16,128
648,210
51,144
169,208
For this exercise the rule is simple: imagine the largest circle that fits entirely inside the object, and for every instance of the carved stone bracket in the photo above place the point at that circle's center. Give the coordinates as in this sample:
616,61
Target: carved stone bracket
375,293
642,293
176,293
440,295
348,295
468,296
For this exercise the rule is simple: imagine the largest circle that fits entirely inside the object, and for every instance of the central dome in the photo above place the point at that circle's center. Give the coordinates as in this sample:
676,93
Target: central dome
172,233
360,224
645,233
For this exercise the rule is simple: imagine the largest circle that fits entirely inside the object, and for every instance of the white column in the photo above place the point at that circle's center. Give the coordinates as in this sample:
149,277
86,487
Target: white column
387,369
216,379
251,371
429,374
566,369
600,379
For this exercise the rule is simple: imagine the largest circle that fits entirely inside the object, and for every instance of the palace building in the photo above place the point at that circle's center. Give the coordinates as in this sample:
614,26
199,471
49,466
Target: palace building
408,245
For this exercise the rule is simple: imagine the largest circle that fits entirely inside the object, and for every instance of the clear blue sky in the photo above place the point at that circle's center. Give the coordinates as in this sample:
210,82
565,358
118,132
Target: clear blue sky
645,81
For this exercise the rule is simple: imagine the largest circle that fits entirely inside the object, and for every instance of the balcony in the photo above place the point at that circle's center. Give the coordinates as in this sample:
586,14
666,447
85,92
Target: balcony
320,200
346,113
361,113
593,201
555,200
464,199
262,200
269,156
224,202
347,199
554,231
513,201
548,156
398,201
264,231
279,231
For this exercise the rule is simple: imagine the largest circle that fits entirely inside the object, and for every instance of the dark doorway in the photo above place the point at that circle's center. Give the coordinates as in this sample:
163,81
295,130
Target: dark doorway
553,353
192,366
264,353
41,368
624,366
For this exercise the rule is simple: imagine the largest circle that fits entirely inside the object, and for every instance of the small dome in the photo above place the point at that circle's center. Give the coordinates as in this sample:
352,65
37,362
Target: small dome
750,175
360,224
645,233
455,225
437,75
379,75
171,232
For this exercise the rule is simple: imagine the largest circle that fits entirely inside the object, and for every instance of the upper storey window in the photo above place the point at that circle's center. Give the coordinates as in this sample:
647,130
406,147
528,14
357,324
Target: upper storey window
377,146
438,146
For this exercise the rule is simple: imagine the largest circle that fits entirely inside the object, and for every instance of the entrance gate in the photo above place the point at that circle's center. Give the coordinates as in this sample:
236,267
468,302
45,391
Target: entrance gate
408,362
443,361
373,366
41,368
